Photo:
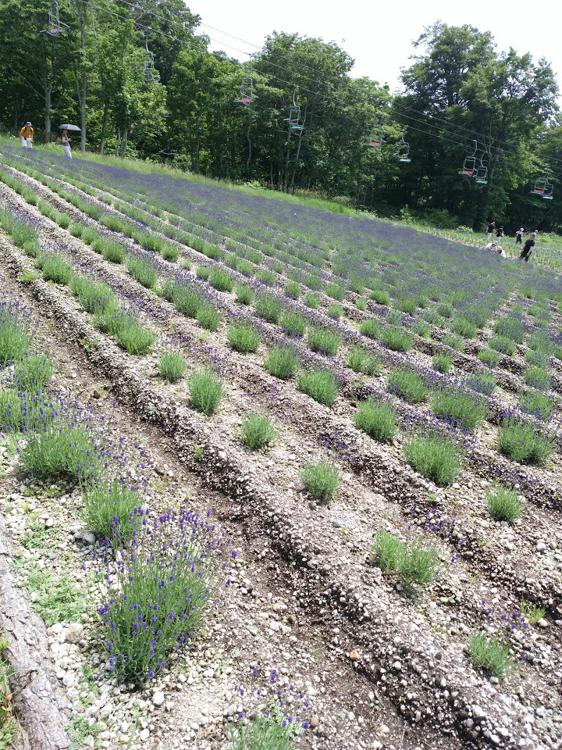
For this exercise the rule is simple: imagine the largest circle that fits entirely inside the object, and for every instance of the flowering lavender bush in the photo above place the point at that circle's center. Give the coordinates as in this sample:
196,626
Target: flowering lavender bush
159,588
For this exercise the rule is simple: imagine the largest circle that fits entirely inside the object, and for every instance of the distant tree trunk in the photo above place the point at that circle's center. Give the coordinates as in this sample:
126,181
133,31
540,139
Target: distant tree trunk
104,127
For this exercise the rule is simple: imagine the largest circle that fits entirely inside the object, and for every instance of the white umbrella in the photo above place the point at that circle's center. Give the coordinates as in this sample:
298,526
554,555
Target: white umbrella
73,128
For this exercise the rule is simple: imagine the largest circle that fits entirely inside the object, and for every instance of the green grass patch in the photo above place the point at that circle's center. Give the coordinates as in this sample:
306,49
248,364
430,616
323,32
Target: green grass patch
61,453
490,654
460,408
172,367
537,404
281,362
397,339
109,511
257,432
489,357
377,420
522,443
363,362
434,457
323,340
206,391
142,272
321,481
319,385
242,337
269,308
33,373
504,504
442,362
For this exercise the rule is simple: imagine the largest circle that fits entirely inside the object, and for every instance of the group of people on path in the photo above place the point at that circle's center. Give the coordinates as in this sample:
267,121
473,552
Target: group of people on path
494,246
26,139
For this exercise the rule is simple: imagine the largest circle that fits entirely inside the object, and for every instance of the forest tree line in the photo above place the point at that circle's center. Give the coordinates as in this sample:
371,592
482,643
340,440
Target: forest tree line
139,78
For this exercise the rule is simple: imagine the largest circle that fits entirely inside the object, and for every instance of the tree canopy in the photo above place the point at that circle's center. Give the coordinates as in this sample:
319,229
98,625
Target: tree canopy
139,78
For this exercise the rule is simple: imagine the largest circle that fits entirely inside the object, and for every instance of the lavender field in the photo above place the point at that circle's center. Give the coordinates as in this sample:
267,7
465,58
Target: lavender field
273,476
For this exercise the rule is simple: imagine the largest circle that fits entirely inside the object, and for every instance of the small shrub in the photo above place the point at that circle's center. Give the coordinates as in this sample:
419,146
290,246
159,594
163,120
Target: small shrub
502,344
489,357
397,340
510,328
221,280
537,359
455,341
110,512
11,412
490,654
139,638
460,408
321,481
319,385
504,505
335,292
33,373
421,329
312,301
537,404
257,431
142,272
94,297
417,567
206,391
269,307
14,341
377,420
407,306
361,361
538,378
172,367
323,340
482,383
170,253
244,294
370,328
61,453
361,304
263,733
408,385
521,442
387,551
531,612
540,343
335,311
445,310
293,323
266,277
186,299
203,272
243,337
76,229
434,457
132,337
463,327
282,363
292,290
380,296
54,268
208,317
113,252
442,362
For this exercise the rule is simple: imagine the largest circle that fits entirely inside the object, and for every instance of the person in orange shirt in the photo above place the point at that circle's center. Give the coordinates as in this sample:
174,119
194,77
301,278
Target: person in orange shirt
26,136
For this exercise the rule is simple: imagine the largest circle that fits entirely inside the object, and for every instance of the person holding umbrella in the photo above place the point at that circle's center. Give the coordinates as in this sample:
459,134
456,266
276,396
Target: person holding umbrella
26,135
65,140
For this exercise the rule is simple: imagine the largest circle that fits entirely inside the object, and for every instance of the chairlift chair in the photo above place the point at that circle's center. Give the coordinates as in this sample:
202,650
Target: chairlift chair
376,137
294,119
470,163
543,188
247,95
54,26
404,152
481,176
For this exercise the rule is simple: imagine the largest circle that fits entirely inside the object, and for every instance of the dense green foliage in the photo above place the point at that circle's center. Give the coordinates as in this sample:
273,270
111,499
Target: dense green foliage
181,107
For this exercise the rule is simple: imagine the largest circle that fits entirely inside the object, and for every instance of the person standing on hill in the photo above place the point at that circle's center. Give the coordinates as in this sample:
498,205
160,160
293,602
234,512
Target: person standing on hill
519,236
528,248
26,135
491,230
500,232
65,143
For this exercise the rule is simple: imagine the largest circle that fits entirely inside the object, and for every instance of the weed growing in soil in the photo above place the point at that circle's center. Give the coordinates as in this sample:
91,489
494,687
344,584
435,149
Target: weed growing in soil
172,367
243,337
56,599
112,512
537,404
263,733
323,340
460,408
521,442
61,453
321,386
489,357
531,612
504,504
377,420
282,363
408,385
490,654
436,458
442,362
257,431
321,481
397,340
206,391
33,373
361,361
157,600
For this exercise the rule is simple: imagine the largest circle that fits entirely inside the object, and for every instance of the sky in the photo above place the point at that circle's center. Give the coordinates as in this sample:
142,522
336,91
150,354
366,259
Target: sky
379,35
